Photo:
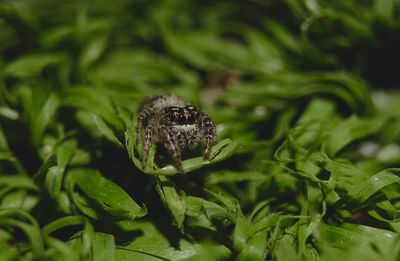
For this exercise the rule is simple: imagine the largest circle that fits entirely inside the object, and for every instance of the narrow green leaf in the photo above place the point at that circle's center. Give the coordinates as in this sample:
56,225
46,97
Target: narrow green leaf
106,195
173,198
350,130
361,192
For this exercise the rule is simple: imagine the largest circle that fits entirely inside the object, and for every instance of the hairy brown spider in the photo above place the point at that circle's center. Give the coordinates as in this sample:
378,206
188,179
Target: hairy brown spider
175,123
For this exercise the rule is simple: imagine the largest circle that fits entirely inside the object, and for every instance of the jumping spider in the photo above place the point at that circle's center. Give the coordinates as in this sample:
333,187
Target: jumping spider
175,123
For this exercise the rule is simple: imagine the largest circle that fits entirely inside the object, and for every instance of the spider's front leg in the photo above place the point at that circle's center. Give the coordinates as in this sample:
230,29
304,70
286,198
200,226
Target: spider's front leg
139,127
209,133
148,136
172,146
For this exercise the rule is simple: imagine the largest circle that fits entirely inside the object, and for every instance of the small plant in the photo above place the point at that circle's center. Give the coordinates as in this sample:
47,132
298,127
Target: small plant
305,103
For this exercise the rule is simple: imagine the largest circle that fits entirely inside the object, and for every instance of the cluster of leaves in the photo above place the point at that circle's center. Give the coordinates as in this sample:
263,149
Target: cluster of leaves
305,166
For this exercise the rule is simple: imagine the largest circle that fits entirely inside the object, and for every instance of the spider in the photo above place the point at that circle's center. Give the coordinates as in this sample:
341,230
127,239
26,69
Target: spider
175,123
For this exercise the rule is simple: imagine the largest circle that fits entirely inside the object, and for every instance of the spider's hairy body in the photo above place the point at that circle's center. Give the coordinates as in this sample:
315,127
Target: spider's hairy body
175,123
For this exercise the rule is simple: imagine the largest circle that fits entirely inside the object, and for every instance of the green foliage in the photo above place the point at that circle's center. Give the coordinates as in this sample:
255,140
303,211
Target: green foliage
304,96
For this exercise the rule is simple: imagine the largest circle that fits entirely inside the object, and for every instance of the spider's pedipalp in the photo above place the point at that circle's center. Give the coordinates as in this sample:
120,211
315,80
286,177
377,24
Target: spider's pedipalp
171,145
148,135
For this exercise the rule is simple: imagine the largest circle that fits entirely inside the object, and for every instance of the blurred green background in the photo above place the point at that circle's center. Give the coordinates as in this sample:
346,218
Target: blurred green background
305,95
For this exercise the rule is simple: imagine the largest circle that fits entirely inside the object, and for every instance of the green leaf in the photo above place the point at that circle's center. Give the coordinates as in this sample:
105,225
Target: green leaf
105,130
234,176
362,191
102,193
173,198
94,100
350,130
350,235
31,65
40,110
221,151
27,224
154,245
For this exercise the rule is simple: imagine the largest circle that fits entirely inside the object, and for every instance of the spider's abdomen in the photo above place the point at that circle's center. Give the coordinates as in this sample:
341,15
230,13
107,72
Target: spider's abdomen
157,104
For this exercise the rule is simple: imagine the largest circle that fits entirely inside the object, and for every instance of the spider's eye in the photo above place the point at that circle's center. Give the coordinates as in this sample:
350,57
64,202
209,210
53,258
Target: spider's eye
181,119
190,119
